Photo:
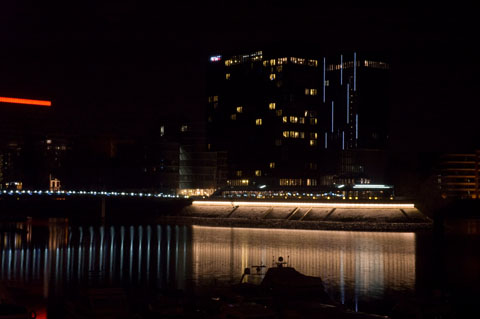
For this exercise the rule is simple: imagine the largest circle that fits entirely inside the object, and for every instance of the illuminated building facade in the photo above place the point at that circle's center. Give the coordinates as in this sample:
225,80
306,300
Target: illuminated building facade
460,175
297,121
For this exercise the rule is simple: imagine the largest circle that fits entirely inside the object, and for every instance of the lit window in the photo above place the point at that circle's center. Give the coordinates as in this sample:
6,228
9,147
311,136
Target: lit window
272,62
313,135
258,172
307,91
239,109
279,112
271,106
162,132
285,119
238,173
215,98
272,76
279,68
184,128
313,121
258,122
313,142
228,62
265,63
209,146
233,117
311,182
285,133
302,134
210,99
327,82
227,76
301,120
293,119
272,165
313,91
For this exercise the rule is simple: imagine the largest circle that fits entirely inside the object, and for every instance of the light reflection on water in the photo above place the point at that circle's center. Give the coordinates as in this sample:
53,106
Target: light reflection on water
354,265
56,256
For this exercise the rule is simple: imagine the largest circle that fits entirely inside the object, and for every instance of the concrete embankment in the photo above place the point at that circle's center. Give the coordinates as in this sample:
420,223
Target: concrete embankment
304,217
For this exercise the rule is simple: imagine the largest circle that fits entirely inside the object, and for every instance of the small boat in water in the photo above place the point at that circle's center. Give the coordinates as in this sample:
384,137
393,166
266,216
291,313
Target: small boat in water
290,293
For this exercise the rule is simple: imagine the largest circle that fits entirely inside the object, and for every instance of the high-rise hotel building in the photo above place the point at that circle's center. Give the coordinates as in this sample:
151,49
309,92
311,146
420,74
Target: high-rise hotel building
297,121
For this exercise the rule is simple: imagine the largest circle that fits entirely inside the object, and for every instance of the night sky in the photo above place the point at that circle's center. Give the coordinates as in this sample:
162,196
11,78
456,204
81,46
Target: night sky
122,65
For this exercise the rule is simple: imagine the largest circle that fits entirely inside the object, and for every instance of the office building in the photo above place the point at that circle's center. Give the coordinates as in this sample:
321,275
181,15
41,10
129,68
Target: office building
297,121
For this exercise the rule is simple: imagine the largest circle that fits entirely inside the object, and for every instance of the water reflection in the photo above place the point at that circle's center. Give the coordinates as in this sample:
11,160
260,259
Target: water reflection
57,256
354,265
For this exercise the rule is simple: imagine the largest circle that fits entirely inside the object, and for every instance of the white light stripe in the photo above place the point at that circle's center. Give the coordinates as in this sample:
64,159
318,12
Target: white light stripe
302,204
332,116
354,71
371,186
356,126
348,103
326,143
343,140
341,69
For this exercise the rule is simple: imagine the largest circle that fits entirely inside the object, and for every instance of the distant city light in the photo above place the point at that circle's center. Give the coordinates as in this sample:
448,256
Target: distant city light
215,58
14,100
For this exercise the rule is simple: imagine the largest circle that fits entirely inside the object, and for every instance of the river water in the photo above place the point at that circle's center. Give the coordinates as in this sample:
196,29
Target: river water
366,271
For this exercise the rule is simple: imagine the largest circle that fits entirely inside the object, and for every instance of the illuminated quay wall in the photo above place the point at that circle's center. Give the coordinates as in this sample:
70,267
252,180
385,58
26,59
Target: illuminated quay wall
360,263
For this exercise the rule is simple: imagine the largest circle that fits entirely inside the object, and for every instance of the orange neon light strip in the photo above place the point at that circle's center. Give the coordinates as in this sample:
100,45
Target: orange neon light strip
24,101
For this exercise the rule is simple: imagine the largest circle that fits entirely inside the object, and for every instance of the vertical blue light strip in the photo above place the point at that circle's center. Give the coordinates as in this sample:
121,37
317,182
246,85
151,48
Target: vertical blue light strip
354,71
332,118
324,66
341,69
343,140
356,126
326,142
348,102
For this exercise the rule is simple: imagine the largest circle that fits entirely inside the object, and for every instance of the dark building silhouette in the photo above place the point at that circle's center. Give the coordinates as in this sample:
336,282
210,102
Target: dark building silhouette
298,120
459,175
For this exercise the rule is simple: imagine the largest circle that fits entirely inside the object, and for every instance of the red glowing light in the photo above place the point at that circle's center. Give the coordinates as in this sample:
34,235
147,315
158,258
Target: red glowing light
24,101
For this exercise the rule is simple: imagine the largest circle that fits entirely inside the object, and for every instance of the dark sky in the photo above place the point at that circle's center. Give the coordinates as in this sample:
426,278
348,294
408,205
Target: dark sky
125,64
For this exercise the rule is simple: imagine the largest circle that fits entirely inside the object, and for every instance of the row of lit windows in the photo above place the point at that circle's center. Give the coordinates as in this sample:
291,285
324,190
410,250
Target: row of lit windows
366,63
293,134
294,119
255,56
297,182
294,60
237,182
311,91
213,98
285,119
